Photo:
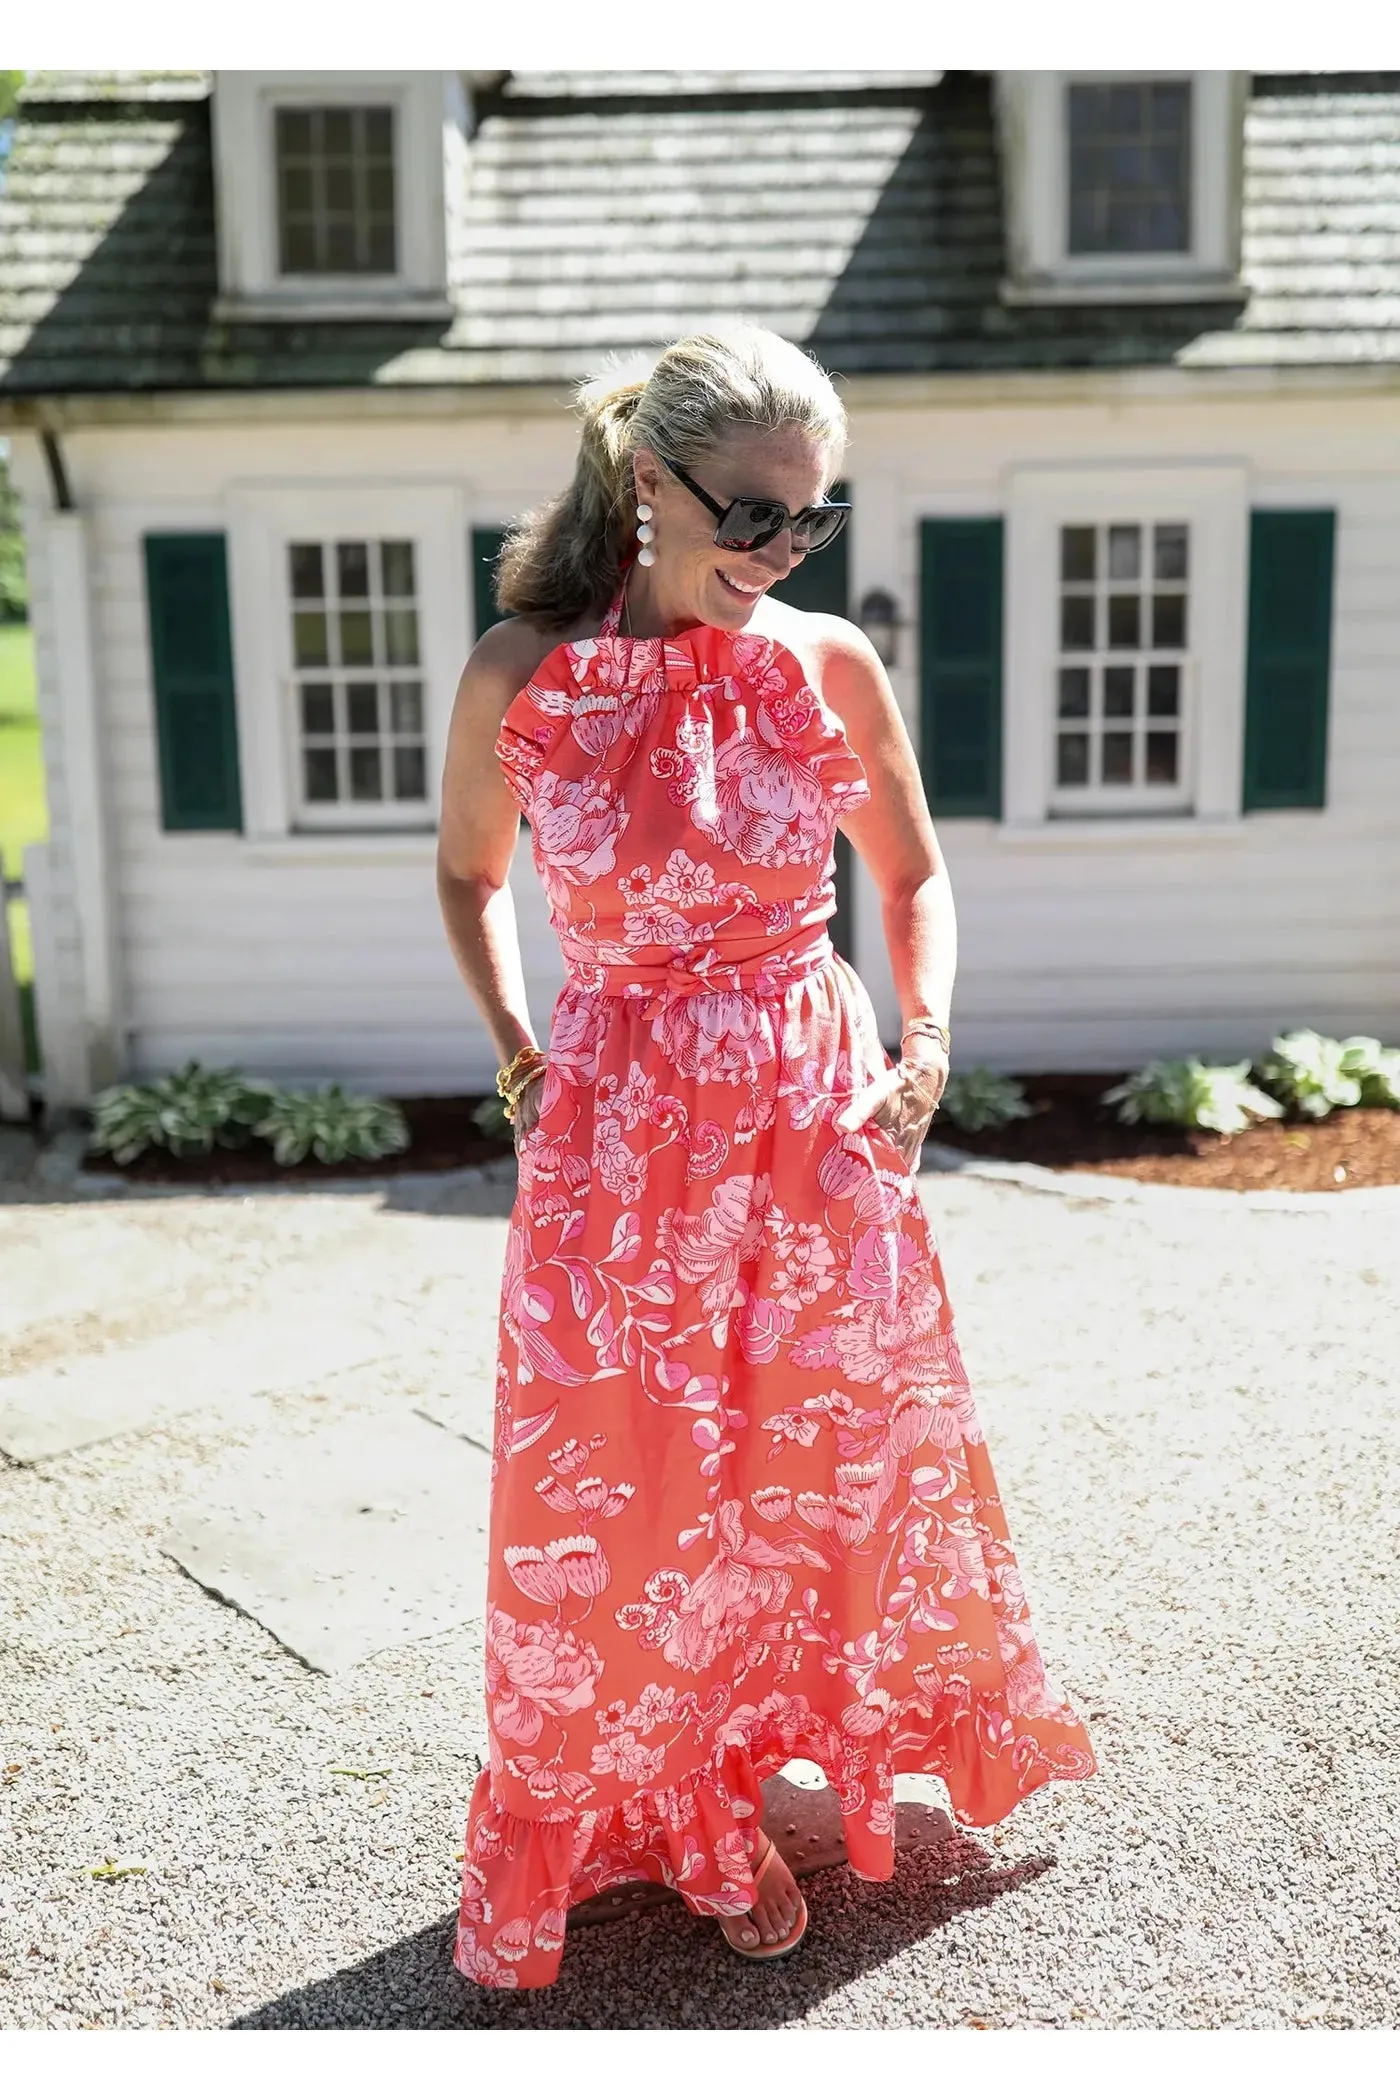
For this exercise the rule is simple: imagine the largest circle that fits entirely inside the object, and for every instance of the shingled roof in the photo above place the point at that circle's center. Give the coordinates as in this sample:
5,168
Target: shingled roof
859,213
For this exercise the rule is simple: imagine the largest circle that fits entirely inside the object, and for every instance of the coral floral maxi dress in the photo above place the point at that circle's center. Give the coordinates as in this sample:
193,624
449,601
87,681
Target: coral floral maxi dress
742,1509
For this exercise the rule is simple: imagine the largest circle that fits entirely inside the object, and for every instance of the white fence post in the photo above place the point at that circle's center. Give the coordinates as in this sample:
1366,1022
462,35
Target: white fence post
14,1091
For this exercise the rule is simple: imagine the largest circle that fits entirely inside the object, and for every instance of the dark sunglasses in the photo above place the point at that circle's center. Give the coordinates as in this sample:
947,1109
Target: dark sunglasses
752,521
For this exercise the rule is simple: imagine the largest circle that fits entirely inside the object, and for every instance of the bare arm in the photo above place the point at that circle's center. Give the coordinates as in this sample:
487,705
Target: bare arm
476,840
894,836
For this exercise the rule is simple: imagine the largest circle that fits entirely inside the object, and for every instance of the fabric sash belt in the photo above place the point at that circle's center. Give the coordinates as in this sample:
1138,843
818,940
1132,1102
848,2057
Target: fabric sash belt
706,968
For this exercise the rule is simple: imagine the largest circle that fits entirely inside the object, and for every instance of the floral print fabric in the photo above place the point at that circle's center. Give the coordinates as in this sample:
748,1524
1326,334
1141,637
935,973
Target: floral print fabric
742,1509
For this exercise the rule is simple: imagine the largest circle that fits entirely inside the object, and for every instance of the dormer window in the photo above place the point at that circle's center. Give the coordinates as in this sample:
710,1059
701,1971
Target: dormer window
1121,188
335,192
1129,189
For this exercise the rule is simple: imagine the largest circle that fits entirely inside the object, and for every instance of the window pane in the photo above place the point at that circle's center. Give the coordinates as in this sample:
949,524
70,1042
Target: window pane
1117,758
356,638
1170,554
379,247
317,710
1077,553
340,244
296,189
309,638
1073,760
337,130
1076,622
1074,690
365,783
318,774
379,188
406,708
1169,621
297,250
1161,757
396,559
1123,622
401,635
1163,689
352,568
293,131
304,562
1124,552
409,773
1118,689
379,131
340,187
362,708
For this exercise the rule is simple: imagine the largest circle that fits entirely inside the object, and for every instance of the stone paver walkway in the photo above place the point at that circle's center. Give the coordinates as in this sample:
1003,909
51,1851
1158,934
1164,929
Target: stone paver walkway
247,1436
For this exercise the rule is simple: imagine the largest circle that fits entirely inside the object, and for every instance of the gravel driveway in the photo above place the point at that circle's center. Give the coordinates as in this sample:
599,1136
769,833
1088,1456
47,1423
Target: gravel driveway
1192,1408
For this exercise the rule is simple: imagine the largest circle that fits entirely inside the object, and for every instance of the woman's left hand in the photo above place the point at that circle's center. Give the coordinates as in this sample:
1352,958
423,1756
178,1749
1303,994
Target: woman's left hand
901,1101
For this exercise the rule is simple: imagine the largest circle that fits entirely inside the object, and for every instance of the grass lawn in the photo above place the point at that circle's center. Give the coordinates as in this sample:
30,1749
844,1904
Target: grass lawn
23,812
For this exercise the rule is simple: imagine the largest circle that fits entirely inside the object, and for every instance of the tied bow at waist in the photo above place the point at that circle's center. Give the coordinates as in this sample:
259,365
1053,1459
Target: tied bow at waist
706,968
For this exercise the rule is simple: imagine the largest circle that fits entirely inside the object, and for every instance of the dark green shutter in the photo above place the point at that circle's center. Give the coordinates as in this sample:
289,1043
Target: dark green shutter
960,651
486,545
1290,658
822,584
192,671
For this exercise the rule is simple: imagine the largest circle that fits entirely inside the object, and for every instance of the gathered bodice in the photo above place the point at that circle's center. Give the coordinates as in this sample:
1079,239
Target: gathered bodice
683,796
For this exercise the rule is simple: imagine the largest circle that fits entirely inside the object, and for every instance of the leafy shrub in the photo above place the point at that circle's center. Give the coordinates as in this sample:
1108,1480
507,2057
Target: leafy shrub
1313,1074
332,1124
490,1117
1192,1095
193,1110
189,1112
982,1100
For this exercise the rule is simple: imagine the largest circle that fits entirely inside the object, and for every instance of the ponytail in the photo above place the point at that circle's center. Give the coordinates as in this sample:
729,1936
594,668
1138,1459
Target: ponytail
562,561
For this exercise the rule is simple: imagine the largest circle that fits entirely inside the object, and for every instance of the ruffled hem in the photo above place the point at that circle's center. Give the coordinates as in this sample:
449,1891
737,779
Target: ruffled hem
522,1875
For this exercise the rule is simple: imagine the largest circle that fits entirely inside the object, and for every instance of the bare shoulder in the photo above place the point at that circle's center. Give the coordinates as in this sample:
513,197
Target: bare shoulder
504,660
835,654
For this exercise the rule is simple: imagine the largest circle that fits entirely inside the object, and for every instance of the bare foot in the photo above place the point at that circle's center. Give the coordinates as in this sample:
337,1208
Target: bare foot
776,1910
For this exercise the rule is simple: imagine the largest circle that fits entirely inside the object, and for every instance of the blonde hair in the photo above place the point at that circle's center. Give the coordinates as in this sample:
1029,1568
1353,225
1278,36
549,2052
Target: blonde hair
562,561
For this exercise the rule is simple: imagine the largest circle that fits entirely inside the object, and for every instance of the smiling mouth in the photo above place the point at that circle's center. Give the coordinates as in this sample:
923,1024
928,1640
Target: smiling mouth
742,590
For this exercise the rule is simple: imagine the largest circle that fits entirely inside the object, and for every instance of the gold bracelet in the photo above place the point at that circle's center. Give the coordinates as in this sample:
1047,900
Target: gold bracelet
924,1024
529,1058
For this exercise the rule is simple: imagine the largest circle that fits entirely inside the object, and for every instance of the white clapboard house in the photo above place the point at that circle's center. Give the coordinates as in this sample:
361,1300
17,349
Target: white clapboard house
281,353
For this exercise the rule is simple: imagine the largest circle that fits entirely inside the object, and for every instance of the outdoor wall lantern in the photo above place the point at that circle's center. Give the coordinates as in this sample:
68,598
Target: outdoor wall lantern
879,616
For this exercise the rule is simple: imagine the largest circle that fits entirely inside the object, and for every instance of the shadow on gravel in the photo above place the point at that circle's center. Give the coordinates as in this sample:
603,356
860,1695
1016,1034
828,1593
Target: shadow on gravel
666,1968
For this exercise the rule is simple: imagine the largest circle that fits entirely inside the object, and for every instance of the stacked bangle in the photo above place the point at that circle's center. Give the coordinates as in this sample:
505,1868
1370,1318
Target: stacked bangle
924,1024
512,1079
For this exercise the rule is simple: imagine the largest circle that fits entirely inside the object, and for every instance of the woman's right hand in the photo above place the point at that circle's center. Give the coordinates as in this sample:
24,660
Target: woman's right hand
527,1109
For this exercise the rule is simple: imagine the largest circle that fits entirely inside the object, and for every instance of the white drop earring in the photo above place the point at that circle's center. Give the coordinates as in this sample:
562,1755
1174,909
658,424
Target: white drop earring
646,533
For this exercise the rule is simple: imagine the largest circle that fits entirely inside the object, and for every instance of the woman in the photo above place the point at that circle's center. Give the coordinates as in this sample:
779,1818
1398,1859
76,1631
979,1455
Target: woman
742,1510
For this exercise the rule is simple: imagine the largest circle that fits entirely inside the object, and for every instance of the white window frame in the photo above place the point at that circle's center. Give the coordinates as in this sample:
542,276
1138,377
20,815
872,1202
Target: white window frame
430,117
1212,500
1034,133
263,522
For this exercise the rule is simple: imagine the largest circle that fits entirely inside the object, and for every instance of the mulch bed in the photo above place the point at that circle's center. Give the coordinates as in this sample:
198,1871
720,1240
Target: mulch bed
1352,1148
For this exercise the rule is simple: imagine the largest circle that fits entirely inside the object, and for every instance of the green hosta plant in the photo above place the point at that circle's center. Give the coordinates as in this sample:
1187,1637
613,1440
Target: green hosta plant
333,1125
1193,1095
1315,1073
490,1117
190,1111
981,1100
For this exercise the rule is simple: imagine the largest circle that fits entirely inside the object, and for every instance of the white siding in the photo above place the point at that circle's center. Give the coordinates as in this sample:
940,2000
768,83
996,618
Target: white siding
49,869
319,958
